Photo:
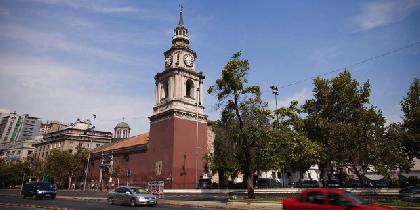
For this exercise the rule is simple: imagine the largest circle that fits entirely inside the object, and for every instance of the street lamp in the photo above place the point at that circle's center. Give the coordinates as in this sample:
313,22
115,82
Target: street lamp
196,143
275,92
87,164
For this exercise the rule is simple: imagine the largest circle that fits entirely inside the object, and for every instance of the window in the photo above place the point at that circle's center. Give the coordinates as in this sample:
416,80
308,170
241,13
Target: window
315,197
129,172
165,89
337,200
97,145
70,151
189,89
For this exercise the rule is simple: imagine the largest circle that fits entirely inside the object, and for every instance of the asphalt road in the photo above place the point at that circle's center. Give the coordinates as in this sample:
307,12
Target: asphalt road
14,202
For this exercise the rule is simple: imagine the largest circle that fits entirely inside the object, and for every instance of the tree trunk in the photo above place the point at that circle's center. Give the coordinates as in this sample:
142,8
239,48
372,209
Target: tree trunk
250,186
69,182
221,175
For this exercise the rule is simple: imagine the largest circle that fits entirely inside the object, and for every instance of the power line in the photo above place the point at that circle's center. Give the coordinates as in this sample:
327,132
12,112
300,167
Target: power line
354,64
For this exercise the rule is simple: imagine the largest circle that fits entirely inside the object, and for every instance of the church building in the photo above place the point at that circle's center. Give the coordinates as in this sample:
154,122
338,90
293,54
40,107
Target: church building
173,150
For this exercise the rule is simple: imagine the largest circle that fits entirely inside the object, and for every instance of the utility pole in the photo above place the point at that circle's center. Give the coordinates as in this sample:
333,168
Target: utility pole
275,92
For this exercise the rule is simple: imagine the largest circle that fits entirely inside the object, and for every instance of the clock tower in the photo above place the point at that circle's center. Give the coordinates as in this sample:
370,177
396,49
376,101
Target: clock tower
178,125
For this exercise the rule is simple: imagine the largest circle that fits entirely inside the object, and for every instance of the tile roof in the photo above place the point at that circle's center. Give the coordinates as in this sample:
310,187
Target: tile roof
124,143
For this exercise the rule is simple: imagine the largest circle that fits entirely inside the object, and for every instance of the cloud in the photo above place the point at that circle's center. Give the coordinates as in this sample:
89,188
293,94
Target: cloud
301,96
51,41
52,91
89,5
377,14
4,12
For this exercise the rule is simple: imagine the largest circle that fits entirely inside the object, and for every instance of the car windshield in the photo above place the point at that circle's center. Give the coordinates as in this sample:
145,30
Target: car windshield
138,190
44,185
355,199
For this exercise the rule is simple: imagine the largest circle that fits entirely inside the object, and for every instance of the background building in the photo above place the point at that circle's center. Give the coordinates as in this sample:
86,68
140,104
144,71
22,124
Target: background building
51,126
15,127
18,134
78,134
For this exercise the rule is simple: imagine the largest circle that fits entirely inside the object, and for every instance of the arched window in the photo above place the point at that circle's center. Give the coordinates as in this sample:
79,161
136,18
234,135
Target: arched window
189,89
165,89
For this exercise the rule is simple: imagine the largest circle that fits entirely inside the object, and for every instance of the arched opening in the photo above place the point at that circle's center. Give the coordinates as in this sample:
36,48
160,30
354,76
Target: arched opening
189,89
165,89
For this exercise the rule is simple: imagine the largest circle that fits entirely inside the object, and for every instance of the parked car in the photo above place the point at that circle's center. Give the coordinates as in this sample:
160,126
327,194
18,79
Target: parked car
38,190
132,196
309,183
334,183
381,183
329,198
267,183
411,193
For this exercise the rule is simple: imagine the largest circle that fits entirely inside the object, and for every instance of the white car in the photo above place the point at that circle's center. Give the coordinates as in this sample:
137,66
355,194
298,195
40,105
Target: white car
132,196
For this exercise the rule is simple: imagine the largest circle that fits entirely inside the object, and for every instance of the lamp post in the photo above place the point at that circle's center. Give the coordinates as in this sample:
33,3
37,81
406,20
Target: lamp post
88,159
275,92
196,142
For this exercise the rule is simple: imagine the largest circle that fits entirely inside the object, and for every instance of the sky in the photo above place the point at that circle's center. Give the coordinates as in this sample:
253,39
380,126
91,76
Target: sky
63,60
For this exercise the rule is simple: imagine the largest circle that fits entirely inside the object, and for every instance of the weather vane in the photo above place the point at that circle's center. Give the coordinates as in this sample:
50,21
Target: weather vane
181,7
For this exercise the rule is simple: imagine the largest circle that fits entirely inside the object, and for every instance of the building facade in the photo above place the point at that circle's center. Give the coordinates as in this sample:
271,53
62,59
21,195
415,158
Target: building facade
78,134
51,126
178,135
15,127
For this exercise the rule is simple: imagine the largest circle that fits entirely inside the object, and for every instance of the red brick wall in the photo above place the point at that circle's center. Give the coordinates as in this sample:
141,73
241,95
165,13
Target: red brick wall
170,140
185,140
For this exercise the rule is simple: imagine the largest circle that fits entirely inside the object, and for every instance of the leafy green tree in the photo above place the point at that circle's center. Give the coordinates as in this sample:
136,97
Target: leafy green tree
244,109
64,167
411,120
295,150
223,159
11,173
348,127
116,173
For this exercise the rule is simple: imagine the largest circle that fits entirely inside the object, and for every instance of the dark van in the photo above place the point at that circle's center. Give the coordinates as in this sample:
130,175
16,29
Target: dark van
38,190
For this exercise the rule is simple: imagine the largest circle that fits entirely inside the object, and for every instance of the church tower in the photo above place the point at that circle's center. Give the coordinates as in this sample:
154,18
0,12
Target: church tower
178,125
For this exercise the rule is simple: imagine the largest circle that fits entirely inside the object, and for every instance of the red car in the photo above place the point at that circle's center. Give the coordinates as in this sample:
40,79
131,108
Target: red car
329,199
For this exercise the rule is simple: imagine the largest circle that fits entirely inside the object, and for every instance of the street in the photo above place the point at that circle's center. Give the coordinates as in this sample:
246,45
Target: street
14,202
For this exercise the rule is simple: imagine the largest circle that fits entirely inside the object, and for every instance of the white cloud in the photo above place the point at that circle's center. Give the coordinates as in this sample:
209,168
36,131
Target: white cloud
301,96
4,12
55,92
381,13
89,5
58,42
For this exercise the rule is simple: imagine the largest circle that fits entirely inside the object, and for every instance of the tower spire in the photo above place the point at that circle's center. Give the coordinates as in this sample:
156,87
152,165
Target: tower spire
181,19
180,32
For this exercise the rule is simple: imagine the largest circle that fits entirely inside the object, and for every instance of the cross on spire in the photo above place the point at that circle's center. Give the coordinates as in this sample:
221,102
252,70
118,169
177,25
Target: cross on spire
181,20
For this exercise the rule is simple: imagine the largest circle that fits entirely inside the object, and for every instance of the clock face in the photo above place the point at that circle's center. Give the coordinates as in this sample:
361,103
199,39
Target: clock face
189,60
168,60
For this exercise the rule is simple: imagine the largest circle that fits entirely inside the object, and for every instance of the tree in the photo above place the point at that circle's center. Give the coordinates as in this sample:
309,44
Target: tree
348,127
295,150
64,166
411,120
116,173
225,148
247,114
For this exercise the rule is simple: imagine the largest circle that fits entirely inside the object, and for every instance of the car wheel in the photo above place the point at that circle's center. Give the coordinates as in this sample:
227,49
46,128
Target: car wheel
133,202
110,202
52,196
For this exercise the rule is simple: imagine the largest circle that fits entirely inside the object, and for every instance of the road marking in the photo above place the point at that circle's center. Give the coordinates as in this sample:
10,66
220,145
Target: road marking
33,206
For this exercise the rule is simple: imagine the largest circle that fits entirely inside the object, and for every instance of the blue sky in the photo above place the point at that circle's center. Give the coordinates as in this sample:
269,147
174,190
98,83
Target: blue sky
62,60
